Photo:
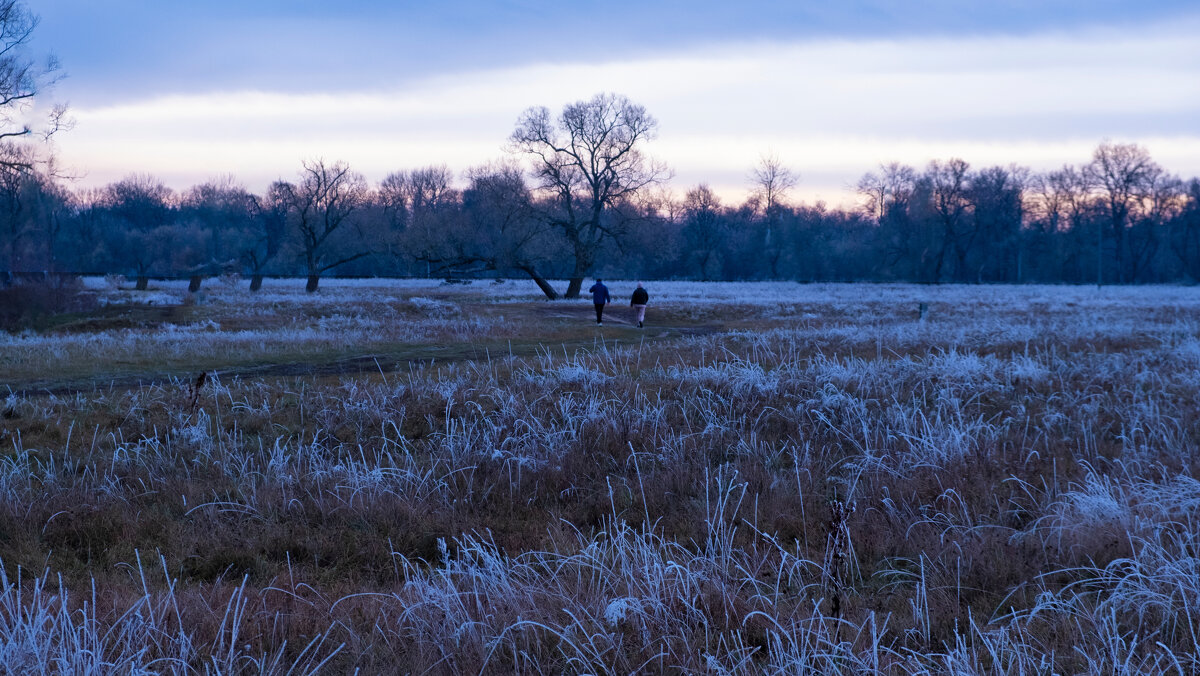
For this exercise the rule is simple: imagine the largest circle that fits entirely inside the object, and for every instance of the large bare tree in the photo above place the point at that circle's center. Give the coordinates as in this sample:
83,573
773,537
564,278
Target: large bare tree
588,162
22,79
319,206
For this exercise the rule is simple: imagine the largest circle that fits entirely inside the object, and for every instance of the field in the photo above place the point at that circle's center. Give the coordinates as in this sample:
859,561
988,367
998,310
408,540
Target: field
414,477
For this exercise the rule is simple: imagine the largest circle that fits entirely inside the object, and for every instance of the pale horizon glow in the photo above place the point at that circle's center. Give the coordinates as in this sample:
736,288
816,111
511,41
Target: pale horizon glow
831,110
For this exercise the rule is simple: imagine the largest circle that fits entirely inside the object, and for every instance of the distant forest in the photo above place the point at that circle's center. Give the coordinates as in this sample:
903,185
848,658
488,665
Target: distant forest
577,197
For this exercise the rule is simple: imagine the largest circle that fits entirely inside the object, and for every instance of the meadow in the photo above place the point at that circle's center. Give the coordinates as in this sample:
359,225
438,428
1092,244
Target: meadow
417,477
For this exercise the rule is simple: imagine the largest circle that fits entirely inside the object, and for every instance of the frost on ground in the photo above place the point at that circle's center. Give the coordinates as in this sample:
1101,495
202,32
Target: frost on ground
819,481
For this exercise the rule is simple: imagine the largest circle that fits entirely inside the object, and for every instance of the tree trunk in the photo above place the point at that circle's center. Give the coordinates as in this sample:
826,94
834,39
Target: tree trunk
256,282
313,280
573,287
194,283
1119,250
551,294
142,282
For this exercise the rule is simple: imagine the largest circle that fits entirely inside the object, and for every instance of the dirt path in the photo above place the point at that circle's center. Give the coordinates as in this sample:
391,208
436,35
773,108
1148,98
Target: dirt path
390,359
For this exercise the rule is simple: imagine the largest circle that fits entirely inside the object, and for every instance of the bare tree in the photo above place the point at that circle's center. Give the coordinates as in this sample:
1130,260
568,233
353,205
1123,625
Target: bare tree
1066,199
495,230
889,188
411,201
319,206
53,205
219,214
22,78
429,188
1185,237
392,198
16,228
997,196
1122,174
587,162
140,208
704,229
887,197
1058,198
772,181
1162,202
949,186
1048,208
406,195
268,231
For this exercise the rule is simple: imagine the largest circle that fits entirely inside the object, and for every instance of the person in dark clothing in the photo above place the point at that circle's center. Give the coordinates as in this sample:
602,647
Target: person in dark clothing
638,303
599,299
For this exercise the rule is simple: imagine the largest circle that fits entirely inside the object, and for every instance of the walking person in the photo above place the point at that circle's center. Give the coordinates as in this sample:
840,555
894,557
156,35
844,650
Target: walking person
638,303
600,298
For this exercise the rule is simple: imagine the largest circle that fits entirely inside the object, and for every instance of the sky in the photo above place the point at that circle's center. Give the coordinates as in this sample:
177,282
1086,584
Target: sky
188,92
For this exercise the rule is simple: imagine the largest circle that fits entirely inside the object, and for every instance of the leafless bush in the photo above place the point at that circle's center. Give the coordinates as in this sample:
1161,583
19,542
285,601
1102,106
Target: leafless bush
27,302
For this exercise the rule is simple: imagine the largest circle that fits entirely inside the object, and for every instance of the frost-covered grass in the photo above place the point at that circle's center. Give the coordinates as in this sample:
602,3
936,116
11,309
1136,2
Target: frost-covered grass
773,478
334,290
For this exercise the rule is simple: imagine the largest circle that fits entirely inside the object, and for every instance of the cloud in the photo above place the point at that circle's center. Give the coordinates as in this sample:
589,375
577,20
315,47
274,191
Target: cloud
832,109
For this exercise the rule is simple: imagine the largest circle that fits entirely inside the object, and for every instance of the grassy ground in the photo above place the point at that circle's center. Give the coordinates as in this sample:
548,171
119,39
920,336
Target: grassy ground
184,339
465,479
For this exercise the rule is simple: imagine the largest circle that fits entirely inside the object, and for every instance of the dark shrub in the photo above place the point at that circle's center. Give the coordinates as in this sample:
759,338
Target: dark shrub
24,302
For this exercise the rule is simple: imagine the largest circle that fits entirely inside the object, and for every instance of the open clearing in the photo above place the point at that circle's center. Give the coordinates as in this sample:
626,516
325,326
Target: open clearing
409,477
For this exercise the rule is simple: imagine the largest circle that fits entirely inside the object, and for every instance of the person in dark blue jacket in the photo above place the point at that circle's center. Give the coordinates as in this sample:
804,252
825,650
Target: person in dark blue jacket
599,299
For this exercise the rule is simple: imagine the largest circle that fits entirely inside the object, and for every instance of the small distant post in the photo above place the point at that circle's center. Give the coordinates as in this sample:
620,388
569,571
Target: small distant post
922,308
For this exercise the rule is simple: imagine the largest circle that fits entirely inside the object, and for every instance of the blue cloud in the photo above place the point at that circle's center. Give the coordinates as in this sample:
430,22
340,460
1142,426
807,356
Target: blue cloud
123,48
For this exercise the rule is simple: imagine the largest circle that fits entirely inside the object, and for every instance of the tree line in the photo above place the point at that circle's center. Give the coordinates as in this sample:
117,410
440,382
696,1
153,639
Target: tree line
577,195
